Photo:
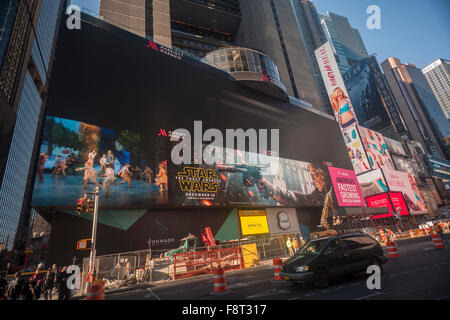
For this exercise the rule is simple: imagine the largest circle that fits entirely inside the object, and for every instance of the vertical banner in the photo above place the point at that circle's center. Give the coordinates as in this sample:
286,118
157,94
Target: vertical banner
346,188
342,106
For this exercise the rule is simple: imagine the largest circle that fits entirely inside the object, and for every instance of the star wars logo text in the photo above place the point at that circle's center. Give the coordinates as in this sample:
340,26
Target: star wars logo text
198,180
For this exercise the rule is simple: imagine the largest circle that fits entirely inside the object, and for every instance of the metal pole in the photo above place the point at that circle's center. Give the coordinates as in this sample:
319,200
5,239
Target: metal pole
94,234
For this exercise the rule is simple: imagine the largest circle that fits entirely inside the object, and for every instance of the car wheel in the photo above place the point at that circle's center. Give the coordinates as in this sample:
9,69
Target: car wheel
321,278
376,261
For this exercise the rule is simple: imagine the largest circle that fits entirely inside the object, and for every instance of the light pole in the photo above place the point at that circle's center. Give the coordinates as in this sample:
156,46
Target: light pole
94,234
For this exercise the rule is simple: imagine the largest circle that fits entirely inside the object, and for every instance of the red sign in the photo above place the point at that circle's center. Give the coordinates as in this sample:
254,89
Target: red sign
392,201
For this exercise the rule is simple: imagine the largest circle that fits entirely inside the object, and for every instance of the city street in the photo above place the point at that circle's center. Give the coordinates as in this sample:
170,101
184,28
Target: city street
421,272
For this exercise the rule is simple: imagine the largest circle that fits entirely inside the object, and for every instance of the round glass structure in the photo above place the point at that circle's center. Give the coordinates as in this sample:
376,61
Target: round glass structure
246,64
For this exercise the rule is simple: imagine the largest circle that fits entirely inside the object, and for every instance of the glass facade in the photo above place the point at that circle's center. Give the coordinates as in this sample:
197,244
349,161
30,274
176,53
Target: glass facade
7,12
238,59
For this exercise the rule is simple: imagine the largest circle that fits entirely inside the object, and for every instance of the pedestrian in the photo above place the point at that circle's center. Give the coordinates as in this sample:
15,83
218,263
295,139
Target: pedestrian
440,231
48,284
295,245
35,283
63,291
127,268
16,287
289,246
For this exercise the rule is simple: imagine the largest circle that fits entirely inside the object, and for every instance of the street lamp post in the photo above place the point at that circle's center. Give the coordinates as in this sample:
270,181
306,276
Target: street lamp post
94,235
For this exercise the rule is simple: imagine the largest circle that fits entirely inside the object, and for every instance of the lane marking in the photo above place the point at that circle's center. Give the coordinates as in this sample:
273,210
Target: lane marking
370,295
443,298
152,293
325,291
296,298
310,294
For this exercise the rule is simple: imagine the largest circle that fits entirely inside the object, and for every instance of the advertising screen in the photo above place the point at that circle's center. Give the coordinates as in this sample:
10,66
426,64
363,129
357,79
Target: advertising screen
395,147
355,149
271,181
253,222
372,183
398,203
405,183
365,97
434,191
380,201
346,187
376,148
128,166
339,98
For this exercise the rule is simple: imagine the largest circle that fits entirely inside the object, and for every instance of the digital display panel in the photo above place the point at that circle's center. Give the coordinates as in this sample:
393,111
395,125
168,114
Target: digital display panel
376,148
346,187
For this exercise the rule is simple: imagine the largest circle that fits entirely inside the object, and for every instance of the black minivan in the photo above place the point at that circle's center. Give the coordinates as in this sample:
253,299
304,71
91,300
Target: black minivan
323,259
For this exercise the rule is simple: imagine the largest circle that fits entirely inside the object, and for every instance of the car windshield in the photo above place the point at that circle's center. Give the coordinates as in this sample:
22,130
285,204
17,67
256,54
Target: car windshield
313,247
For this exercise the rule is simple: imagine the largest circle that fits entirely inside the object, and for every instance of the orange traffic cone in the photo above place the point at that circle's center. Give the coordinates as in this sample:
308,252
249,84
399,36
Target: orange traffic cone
277,268
96,291
438,243
392,249
220,283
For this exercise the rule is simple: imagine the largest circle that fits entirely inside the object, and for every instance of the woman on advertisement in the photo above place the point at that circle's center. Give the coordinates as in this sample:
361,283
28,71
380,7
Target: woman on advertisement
342,108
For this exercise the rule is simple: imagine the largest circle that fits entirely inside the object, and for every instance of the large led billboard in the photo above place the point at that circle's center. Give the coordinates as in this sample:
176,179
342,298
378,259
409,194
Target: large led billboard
355,149
366,99
392,201
372,183
150,95
405,183
129,167
346,187
395,147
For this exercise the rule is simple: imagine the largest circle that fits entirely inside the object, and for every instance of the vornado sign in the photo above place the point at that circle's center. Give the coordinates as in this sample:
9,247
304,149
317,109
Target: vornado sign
282,221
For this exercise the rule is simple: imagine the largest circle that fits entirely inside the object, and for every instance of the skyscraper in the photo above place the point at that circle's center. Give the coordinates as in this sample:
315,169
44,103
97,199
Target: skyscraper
24,79
347,42
423,116
437,74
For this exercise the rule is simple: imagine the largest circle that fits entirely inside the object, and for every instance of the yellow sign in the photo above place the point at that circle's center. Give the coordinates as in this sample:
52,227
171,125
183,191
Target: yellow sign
253,222
250,255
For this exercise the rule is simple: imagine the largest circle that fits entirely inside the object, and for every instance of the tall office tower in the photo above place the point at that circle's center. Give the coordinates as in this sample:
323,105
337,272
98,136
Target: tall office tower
274,27
347,42
196,26
313,37
437,74
423,116
24,79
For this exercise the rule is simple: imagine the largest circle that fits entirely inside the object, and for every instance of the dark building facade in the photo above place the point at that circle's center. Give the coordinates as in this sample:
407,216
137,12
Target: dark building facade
135,118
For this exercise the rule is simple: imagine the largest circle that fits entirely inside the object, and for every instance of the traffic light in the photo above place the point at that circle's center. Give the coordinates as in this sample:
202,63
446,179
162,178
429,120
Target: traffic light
90,206
80,203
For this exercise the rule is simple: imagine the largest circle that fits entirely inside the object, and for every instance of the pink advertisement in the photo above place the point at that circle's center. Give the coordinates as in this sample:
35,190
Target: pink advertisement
398,203
346,188
376,149
404,182
380,201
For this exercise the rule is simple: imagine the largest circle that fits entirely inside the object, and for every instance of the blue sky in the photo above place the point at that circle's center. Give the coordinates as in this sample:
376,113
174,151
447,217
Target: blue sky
415,31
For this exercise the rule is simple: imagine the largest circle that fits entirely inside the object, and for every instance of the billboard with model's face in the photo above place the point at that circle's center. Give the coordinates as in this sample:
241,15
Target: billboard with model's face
339,98
346,188
129,167
372,183
365,97
376,148
405,183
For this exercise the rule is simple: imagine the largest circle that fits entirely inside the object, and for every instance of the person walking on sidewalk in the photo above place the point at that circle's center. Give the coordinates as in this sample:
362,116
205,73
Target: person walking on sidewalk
289,246
49,283
63,290
295,245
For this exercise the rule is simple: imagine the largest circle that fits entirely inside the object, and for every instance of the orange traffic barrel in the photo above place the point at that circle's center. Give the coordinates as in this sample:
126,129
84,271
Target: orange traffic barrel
383,236
392,249
96,291
220,283
437,241
412,234
277,262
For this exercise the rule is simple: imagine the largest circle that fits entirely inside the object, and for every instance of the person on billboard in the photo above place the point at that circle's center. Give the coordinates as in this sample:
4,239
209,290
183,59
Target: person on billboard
89,175
125,174
315,199
109,179
41,166
91,157
342,107
162,177
419,200
148,174
103,164
110,158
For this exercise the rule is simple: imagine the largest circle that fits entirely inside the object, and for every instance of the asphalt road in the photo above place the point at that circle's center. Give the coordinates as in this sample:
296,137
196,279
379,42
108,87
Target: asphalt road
421,272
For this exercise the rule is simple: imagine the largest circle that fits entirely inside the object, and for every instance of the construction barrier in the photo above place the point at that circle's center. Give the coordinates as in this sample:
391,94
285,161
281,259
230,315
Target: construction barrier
220,283
96,291
277,268
437,241
392,249
205,262
412,234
